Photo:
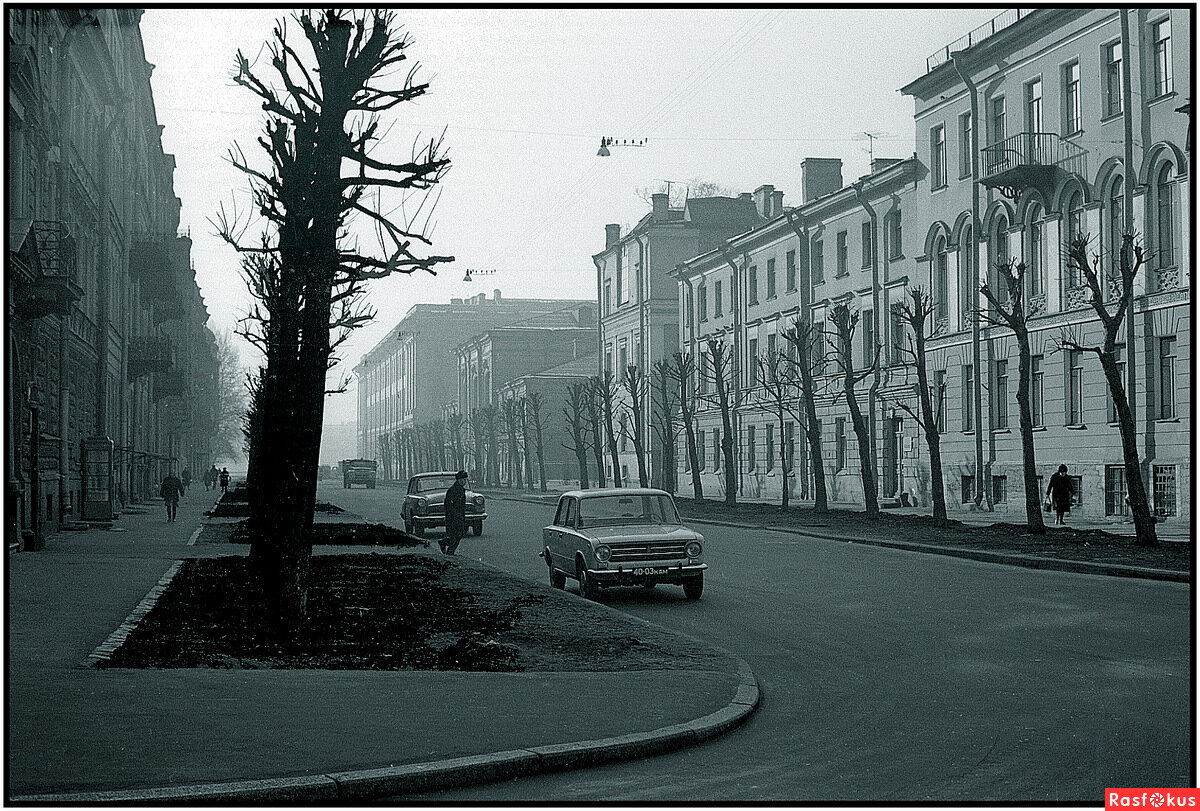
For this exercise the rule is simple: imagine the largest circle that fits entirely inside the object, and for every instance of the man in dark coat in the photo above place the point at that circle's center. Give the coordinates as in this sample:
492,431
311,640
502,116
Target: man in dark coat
456,513
1060,493
171,490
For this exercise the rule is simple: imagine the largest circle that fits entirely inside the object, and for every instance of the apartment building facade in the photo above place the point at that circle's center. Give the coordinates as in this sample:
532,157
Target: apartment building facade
639,308
1031,137
112,371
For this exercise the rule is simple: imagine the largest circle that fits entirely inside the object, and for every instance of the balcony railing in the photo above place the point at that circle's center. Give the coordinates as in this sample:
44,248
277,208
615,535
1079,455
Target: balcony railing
1032,149
988,29
149,355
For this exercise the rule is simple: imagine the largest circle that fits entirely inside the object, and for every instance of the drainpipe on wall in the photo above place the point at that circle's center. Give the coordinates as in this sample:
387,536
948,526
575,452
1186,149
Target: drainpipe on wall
873,392
1130,326
735,303
644,360
981,498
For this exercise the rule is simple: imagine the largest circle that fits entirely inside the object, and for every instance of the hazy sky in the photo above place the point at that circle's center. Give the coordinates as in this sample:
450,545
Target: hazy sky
733,96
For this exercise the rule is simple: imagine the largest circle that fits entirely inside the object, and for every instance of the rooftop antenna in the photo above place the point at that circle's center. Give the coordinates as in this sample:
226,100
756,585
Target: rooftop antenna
871,136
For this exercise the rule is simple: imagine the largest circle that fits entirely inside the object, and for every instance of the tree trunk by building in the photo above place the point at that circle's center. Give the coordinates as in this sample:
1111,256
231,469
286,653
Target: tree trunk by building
593,420
604,390
575,414
723,372
809,340
636,385
535,403
845,323
664,421
683,372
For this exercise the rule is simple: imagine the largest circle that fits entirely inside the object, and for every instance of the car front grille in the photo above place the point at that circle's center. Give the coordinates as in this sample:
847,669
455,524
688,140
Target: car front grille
655,550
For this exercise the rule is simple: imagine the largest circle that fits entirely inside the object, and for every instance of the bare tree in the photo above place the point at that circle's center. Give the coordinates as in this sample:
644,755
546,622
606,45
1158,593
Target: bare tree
917,316
398,444
809,340
682,370
492,424
1112,311
526,426
230,398
635,383
664,420
538,423
593,421
780,391
604,392
721,374
383,444
454,430
845,324
509,410
575,414
319,120
476,421
1008,310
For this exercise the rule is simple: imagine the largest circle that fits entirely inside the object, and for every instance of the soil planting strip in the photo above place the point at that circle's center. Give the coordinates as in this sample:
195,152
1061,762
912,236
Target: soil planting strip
117,638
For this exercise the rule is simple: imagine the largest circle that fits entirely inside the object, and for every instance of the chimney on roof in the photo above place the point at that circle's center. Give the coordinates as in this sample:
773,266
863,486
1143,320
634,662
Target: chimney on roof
456,301
776,203
762,200
659,204
746,196
612,235
496,295
878,164
819,177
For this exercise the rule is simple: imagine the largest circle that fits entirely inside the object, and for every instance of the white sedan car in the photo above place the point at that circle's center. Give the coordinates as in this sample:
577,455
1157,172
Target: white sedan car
622,536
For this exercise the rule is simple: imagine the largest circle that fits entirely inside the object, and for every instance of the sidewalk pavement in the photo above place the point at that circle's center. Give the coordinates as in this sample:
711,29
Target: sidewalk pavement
81,734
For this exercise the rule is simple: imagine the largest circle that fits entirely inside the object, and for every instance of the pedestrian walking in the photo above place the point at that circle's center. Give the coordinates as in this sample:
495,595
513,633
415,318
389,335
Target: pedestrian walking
186,480
456,514
1060,493
210,478
170,490
224,479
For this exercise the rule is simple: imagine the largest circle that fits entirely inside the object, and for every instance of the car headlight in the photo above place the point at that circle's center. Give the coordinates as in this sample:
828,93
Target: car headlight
603,554
479,502
422,505
694,549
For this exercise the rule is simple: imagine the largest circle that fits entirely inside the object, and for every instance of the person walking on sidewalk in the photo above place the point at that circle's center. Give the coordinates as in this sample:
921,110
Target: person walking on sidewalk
224,480
1060,493
186,479
171,490
210,478
456,513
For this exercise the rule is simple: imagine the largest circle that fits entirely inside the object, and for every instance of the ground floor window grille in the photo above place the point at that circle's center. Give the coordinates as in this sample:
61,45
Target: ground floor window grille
999,489
968,489
1077,487
1164,490
1115,491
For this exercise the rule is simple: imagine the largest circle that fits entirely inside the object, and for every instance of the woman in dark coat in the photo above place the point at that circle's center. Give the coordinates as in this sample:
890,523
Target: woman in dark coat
1060,493
456,513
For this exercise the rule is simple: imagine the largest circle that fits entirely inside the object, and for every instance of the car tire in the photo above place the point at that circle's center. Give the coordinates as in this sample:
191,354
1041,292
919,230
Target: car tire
558,580
418,530
588,589
693,587
408,526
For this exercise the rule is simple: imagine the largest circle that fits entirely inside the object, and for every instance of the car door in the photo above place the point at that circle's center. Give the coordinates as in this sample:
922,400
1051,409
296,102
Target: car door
560,543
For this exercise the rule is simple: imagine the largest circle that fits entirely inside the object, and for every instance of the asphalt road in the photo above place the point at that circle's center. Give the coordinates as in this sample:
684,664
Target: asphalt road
890,676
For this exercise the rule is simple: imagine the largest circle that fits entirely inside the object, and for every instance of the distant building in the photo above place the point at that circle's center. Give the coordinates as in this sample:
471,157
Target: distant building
107,344
406,380
639,303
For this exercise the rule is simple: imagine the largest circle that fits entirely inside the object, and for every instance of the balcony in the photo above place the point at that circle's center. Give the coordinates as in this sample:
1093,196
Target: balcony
1031,160
171,383
149,260
47,251
985,31
148,355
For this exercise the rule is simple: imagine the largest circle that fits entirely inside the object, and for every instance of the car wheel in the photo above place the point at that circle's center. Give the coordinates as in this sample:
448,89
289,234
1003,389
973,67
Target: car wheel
558,580
419,530
408,526
587,587
693,587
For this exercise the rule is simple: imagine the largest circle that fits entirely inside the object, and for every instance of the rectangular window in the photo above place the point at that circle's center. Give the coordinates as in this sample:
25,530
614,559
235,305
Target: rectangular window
999,489
842,253
751,449
1115,491
717,449
702,298
1075,387
939,399
840,444
771,278
968,385
607,298
1072,114
895,236
752,362
1033,106
898,335
1000,396
968,489
1077,490
789,439
867,324
1113,66
704,375
866,244
718,304
1166,378
937,157
622,285
770,448
772,360
700,449
1164,490
1037,390
998,120
753,284
1119,357
964,145
691,308
1162,58
818,261
791,271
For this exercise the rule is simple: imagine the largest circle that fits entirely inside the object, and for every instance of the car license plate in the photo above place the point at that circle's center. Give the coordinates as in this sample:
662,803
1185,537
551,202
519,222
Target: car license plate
648,570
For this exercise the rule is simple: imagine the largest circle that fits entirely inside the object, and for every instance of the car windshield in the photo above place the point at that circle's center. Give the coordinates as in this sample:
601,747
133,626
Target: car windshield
431,484
610,511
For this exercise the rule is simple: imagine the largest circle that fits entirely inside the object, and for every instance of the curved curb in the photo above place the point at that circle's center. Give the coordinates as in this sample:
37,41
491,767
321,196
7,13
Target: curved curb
370,784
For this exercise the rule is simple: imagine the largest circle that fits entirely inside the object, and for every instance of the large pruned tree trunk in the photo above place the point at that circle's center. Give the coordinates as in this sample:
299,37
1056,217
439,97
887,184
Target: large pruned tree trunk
664,421
1112,314
534,402
321,117
723,372
779,388
634,381
593,421
845,323
809,340
604,389
682,369
575,413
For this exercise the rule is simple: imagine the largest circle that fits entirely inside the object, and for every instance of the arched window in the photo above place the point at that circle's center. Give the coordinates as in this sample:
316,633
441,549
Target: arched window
1114,231
1000,256
941,282
966,266
1164,220
1034,263
1072,230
